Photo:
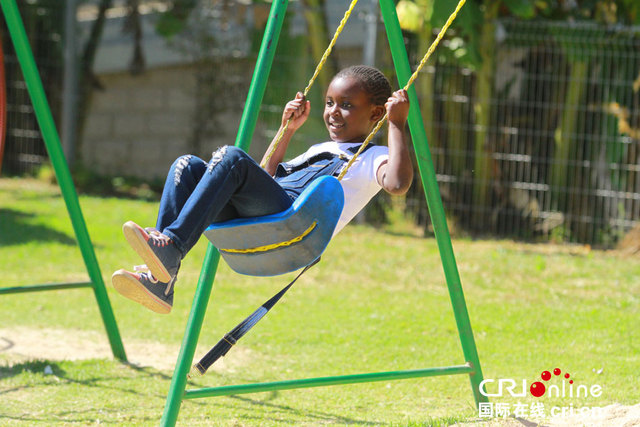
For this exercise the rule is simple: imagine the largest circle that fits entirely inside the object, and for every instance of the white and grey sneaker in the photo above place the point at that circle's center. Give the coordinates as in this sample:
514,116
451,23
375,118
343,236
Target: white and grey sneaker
140,286
158,251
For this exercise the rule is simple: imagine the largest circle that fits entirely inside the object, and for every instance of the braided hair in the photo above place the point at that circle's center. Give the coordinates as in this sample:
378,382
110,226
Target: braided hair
372,81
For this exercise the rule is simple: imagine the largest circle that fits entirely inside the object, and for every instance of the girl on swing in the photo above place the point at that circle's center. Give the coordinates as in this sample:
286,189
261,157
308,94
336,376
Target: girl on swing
232,185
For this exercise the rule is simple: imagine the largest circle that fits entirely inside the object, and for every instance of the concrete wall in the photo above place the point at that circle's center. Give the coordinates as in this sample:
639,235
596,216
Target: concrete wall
138,125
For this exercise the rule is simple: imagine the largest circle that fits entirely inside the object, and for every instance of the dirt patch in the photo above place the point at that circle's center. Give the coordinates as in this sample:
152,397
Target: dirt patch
630,243
612,415
21,344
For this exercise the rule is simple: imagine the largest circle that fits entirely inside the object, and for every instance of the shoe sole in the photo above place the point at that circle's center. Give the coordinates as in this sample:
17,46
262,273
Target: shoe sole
135,237
130,288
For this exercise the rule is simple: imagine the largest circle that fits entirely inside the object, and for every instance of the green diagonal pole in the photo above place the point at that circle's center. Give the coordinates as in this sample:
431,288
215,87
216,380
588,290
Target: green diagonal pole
54,148
434,201
261,73
207,275
190,339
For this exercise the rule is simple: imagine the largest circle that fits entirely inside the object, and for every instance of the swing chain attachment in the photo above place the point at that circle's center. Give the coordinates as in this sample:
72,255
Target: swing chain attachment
413,77
319,67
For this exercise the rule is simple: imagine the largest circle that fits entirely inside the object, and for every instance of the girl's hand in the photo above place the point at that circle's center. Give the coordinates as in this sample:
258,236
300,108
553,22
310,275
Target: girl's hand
297,110
398,108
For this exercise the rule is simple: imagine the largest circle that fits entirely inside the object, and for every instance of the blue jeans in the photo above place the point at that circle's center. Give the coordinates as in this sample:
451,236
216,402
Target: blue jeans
231,185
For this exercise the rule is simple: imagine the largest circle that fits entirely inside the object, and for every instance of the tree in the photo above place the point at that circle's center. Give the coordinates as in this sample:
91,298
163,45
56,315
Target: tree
472,45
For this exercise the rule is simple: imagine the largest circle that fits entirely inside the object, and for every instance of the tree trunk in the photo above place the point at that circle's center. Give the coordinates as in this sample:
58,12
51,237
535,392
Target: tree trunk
425,86
88,80
319,38
482,109
454,119
565,135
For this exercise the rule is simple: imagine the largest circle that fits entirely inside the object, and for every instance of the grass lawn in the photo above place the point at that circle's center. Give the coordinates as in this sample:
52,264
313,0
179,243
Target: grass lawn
377,302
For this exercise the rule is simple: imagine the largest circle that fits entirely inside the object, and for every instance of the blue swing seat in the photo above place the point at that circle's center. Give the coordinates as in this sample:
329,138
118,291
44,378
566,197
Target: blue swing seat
280,243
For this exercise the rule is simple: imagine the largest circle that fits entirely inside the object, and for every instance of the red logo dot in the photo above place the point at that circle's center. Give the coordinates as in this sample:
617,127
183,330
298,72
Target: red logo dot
546,375
537,389
557,371
567,375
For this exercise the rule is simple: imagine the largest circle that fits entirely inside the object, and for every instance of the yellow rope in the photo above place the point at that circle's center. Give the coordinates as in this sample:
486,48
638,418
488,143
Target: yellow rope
319,67
409,83
272,246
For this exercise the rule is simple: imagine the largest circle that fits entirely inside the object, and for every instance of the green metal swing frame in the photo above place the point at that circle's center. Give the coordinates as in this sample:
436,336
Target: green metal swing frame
63,176
471,365
177,391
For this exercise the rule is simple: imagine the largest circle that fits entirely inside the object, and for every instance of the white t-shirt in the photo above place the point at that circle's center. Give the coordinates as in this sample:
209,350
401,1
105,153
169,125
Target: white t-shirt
360,183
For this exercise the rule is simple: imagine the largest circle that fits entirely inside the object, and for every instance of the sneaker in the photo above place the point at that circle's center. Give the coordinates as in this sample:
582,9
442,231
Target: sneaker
143,288
158,251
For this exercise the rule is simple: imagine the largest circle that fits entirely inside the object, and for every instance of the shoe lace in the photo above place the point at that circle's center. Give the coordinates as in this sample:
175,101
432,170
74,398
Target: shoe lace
144,270
157,237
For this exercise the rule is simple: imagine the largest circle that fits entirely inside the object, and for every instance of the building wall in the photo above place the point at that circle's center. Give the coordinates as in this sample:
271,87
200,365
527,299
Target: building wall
138,125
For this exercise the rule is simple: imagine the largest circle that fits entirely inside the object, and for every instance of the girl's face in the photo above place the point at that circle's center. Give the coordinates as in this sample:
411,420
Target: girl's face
348,113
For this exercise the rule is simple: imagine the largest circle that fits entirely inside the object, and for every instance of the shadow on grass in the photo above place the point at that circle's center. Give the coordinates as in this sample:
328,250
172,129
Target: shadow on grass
50,368
268,413
36,366
41,374
309,416
15,229
271,413
406,234
52,375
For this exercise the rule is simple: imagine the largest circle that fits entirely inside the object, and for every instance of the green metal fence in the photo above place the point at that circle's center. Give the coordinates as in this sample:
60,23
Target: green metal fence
561,141
25,151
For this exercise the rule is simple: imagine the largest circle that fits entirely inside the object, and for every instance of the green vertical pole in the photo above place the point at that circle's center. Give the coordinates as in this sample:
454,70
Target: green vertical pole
432,192
261,73
207,275
54,148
